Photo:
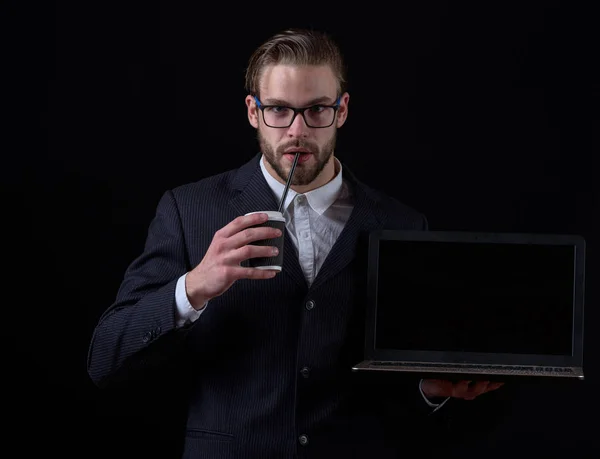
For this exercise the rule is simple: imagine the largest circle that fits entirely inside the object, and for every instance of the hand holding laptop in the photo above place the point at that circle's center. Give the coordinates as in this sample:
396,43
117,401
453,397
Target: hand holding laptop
467,390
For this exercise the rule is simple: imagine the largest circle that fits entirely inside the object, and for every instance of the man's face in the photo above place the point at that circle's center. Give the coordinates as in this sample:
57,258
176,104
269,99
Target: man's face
298,87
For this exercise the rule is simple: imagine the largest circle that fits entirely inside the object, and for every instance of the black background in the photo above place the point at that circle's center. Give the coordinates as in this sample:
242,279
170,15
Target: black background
476,114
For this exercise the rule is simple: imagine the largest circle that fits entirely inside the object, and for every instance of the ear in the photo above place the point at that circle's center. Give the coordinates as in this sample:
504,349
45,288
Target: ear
252,111
342,112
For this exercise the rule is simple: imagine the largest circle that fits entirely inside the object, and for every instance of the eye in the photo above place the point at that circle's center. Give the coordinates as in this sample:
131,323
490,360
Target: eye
317,108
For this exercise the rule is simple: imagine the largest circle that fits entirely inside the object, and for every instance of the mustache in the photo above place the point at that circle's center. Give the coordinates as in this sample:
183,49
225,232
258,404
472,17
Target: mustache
298,144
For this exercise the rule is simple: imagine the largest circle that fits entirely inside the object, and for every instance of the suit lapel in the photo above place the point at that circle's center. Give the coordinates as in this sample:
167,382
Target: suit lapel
254,194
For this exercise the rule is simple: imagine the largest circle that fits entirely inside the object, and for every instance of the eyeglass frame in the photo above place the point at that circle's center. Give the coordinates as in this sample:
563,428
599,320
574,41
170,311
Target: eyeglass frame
262,107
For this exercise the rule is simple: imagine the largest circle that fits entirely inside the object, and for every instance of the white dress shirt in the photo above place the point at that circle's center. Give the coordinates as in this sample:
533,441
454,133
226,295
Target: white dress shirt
314,220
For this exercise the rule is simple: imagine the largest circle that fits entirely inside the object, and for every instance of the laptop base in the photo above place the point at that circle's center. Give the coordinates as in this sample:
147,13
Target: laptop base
480,372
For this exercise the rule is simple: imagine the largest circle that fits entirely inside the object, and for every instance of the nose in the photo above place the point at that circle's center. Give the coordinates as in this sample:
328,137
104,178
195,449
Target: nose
298,128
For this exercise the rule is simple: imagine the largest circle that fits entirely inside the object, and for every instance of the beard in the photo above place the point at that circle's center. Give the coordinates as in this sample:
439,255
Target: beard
305,173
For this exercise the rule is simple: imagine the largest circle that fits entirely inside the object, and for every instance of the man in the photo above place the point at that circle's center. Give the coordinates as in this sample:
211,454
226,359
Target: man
269,353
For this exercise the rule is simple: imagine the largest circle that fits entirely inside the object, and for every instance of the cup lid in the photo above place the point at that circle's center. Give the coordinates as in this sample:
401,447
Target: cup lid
273,214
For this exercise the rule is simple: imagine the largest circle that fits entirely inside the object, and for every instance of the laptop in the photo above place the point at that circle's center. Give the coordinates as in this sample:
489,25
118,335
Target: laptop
479,306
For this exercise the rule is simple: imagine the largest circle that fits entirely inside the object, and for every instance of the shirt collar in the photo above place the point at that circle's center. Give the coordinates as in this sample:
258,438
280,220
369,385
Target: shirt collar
319,199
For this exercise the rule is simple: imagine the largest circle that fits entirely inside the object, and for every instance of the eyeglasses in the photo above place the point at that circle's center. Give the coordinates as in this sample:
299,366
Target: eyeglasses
315,116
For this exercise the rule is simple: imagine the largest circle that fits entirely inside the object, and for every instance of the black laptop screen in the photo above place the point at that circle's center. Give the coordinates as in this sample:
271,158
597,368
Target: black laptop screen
475,297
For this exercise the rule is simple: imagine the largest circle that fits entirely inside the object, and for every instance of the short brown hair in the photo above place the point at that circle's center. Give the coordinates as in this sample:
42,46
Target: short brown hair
296,47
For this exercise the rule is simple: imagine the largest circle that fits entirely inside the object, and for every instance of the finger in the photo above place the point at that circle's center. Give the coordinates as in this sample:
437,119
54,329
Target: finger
478,388
460,389
249,235
251,251
467,390
253,273
494,386
242,222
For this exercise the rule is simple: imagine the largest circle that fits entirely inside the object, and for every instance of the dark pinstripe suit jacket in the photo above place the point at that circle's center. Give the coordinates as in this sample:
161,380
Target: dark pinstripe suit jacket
246,395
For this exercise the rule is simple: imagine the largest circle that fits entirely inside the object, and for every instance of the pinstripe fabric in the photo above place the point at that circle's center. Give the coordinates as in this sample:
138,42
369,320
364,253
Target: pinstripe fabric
248,396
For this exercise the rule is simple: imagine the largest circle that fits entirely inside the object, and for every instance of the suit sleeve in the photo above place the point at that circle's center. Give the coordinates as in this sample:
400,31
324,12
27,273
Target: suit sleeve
139,329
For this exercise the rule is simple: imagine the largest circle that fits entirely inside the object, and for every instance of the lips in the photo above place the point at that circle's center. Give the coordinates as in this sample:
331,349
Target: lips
298,150
302,158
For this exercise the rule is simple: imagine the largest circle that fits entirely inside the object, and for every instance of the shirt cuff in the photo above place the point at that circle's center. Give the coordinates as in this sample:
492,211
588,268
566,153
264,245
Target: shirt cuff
184,311
437,406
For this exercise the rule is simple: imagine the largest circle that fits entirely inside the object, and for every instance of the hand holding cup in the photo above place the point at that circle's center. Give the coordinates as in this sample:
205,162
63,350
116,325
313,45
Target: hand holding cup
231,245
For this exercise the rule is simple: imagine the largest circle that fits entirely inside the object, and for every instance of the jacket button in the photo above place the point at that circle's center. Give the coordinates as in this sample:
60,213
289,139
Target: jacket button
305,372
310,304
303,439
147,337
